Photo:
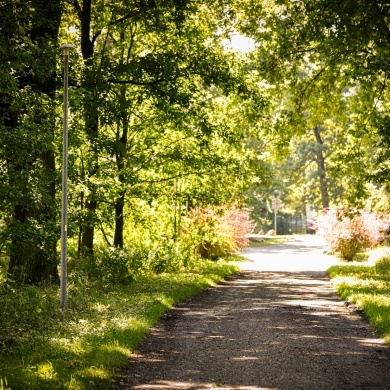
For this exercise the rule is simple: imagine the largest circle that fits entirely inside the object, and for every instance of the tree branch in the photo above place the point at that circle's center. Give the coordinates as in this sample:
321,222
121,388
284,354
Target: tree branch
134,82
76,5
114,22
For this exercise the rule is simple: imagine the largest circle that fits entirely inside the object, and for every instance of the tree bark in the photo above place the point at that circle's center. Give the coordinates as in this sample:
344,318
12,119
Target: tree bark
33,257
320,159
91,126
121,151
119,221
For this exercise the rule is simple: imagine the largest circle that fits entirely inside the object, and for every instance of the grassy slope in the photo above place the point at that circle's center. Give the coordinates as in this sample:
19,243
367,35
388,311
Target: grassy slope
83,347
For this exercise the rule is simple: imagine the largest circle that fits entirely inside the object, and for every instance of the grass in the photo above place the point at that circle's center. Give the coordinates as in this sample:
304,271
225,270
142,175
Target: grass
269,241
83,347
367,286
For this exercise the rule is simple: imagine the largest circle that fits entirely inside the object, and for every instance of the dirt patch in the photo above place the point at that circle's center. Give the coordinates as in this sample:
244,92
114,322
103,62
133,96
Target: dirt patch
264,328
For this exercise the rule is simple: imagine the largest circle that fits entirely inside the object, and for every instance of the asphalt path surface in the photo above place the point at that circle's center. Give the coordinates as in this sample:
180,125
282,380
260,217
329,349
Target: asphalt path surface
277,324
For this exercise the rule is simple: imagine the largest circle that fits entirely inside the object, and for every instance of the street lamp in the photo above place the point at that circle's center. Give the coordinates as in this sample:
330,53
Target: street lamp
275,206
66,47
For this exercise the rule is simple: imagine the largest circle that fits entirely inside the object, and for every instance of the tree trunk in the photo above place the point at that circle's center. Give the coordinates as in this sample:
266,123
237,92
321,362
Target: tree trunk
91,126
121,151
321,169
119,221
88,233
33,257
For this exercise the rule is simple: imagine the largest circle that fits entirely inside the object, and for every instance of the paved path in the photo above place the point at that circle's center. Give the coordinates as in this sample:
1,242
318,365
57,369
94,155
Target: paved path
275,325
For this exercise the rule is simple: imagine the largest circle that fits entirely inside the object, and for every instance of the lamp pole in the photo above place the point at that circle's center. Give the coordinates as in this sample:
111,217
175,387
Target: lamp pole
275,206
66,47
275,216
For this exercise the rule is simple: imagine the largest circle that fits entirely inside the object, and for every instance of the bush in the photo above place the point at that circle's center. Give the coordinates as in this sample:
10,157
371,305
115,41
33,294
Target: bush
114,266
382,265
121,266
216,232
351,231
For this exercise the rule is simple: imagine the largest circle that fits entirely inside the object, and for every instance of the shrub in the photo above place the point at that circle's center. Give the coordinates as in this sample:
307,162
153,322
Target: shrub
121,266
350,231
114,266
382,265
217,231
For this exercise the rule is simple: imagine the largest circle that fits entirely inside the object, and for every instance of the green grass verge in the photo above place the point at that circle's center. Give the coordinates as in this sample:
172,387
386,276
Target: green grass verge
83,347
367,286
269,241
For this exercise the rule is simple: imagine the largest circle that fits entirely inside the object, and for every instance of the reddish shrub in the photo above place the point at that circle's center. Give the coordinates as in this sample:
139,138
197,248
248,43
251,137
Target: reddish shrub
218,231
351,231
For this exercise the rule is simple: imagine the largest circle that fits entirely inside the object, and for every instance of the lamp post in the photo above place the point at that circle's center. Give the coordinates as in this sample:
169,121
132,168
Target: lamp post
66,47
275,207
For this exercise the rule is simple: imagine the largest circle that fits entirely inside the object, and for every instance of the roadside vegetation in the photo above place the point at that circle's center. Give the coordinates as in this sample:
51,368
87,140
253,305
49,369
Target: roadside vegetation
367,285
268,241
113,299
42,347
359,239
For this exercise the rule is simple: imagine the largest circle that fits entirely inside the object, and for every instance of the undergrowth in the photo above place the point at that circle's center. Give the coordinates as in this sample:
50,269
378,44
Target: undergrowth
42,347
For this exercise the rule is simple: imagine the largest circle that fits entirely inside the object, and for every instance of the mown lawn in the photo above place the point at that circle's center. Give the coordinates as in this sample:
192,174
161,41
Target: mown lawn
367,285
42,347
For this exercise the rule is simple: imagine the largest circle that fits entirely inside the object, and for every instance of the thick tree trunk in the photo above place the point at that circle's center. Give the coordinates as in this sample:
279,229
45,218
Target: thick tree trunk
321,169
91,127
119,221
33,257
88,232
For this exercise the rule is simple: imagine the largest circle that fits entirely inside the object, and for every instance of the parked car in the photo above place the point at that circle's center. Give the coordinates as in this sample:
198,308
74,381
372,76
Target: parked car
311,226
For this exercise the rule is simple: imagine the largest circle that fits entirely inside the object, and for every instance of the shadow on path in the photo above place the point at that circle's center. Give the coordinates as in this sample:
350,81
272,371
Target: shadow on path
262,329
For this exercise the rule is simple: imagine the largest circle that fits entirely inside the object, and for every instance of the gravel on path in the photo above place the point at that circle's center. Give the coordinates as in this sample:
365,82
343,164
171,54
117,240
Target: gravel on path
277,324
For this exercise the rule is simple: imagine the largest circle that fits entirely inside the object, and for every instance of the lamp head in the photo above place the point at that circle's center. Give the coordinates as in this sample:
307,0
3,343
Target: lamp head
66,47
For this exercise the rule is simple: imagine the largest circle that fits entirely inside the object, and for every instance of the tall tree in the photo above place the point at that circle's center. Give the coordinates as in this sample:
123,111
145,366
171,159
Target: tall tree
148,68
312,50
29,42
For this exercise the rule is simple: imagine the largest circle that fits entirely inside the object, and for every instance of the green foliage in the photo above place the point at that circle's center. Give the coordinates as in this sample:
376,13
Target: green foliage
113,266
381,172
350,231
315,82
28,109
152,92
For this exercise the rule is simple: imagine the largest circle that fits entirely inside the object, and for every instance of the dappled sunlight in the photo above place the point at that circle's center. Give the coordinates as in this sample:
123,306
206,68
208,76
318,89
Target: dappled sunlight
244,358
372,342
269,324
311,324
161,385
100,307
45,371
298,254
97,372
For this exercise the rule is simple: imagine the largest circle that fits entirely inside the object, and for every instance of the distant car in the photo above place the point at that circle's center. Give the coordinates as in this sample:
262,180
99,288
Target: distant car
311,226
